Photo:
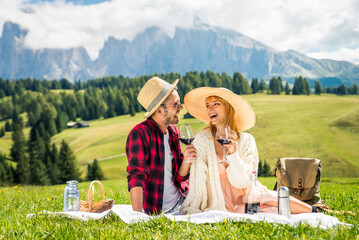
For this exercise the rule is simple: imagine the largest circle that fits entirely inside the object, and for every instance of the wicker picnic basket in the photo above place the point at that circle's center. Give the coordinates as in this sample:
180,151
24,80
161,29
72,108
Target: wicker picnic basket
96,207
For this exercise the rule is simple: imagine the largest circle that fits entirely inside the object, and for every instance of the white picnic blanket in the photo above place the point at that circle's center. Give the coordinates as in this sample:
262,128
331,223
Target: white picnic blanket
85,216
129,216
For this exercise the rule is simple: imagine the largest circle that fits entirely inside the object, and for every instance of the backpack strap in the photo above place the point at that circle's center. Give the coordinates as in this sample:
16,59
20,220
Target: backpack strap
275,186
300,187
326,209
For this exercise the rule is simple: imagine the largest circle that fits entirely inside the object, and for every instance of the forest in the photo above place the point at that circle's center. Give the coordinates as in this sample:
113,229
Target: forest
48,105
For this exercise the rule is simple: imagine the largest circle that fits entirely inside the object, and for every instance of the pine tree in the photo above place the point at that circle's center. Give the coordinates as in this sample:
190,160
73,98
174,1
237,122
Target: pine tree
48,161
240,84
354,90
122,104
214,79
307,87
318,87
55,175
8,127
342,90
3,172
94,171
280,84
30,118
18,152
67,161
255,85
204,79
286,89
38,170
132,109
262,85
266,169
48,122
65,84
110,112
61,121
36,152
226,80
2,132
6,171
260,169
89,172
2,93
300,86
274,85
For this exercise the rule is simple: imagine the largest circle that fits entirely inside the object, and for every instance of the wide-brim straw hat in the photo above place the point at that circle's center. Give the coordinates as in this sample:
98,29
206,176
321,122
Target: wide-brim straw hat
195,102
153,93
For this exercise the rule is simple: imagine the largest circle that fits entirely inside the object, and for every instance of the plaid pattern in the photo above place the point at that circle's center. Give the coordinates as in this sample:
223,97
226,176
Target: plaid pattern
146,160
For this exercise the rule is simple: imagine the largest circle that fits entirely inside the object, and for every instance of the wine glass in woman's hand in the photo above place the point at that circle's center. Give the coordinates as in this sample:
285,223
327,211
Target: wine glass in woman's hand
186,136
222,136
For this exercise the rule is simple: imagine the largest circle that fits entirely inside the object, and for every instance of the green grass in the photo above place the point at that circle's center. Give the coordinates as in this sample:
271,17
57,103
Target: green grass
323,127
16,202
6,140
305,126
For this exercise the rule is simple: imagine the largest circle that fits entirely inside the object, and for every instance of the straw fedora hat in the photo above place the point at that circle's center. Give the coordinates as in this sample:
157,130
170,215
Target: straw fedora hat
153,93
195,102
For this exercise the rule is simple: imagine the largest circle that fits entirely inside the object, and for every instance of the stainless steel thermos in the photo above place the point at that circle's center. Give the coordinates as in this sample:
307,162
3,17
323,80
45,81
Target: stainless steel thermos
283,202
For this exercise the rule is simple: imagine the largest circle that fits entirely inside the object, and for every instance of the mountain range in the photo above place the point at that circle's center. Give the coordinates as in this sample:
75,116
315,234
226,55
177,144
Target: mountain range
200,48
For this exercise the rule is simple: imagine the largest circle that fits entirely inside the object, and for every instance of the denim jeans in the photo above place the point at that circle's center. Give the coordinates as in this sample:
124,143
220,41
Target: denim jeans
176,206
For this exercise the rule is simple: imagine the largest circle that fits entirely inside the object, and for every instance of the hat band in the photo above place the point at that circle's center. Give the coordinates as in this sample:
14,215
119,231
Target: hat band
159,97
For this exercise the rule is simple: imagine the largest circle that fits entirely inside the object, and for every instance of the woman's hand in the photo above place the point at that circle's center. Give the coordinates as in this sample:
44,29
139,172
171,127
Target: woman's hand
189,154
231,146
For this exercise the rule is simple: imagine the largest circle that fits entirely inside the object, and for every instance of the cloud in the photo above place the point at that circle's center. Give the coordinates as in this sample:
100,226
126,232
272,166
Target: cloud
310,27
343,54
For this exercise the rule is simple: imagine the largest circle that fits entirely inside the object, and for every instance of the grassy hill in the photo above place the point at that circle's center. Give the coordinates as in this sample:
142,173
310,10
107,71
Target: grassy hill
324,127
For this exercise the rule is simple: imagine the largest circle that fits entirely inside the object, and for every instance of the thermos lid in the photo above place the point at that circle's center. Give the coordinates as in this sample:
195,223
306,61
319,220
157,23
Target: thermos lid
72,182
283,192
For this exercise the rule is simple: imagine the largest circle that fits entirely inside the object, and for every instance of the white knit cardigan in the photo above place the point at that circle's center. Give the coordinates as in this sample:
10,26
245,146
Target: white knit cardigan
205,192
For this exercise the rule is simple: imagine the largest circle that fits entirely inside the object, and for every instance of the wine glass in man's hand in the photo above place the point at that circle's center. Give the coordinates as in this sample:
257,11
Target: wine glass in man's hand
222,136
186,136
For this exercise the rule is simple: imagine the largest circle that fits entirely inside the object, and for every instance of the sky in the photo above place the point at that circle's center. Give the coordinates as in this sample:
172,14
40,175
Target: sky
316,28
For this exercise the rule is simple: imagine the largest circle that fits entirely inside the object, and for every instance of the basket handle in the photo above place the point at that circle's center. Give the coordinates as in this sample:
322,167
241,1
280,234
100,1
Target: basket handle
90,193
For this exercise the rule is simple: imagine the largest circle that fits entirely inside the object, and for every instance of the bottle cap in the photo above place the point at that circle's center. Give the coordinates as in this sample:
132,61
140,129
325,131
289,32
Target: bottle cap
72,182
283,192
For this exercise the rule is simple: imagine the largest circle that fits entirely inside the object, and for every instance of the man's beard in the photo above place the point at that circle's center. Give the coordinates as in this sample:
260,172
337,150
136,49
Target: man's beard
170,120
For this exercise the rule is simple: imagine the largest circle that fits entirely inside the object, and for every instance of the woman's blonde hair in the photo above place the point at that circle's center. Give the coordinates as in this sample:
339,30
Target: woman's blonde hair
229,120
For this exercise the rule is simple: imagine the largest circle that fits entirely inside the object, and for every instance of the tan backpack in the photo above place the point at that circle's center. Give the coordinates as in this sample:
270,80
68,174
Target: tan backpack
301,176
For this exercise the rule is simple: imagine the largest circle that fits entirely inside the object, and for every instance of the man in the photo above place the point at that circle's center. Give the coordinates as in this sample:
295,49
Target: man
157,169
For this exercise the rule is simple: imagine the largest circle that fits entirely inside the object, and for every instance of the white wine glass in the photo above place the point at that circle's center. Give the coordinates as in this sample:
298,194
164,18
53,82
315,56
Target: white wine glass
222,136
186,136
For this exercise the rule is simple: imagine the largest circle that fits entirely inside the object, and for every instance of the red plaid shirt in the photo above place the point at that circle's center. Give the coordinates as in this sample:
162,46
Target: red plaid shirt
146,160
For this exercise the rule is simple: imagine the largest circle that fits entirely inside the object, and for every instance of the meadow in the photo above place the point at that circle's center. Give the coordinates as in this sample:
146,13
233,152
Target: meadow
324,127
19,201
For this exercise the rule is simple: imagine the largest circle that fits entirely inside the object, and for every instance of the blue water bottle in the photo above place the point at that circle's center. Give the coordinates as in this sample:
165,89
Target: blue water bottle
71,197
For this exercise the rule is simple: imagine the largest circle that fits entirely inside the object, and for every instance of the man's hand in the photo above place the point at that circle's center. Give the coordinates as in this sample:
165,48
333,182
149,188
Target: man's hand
136,194
189,155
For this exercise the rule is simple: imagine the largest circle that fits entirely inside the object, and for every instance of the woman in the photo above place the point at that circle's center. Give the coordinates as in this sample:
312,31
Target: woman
221,185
